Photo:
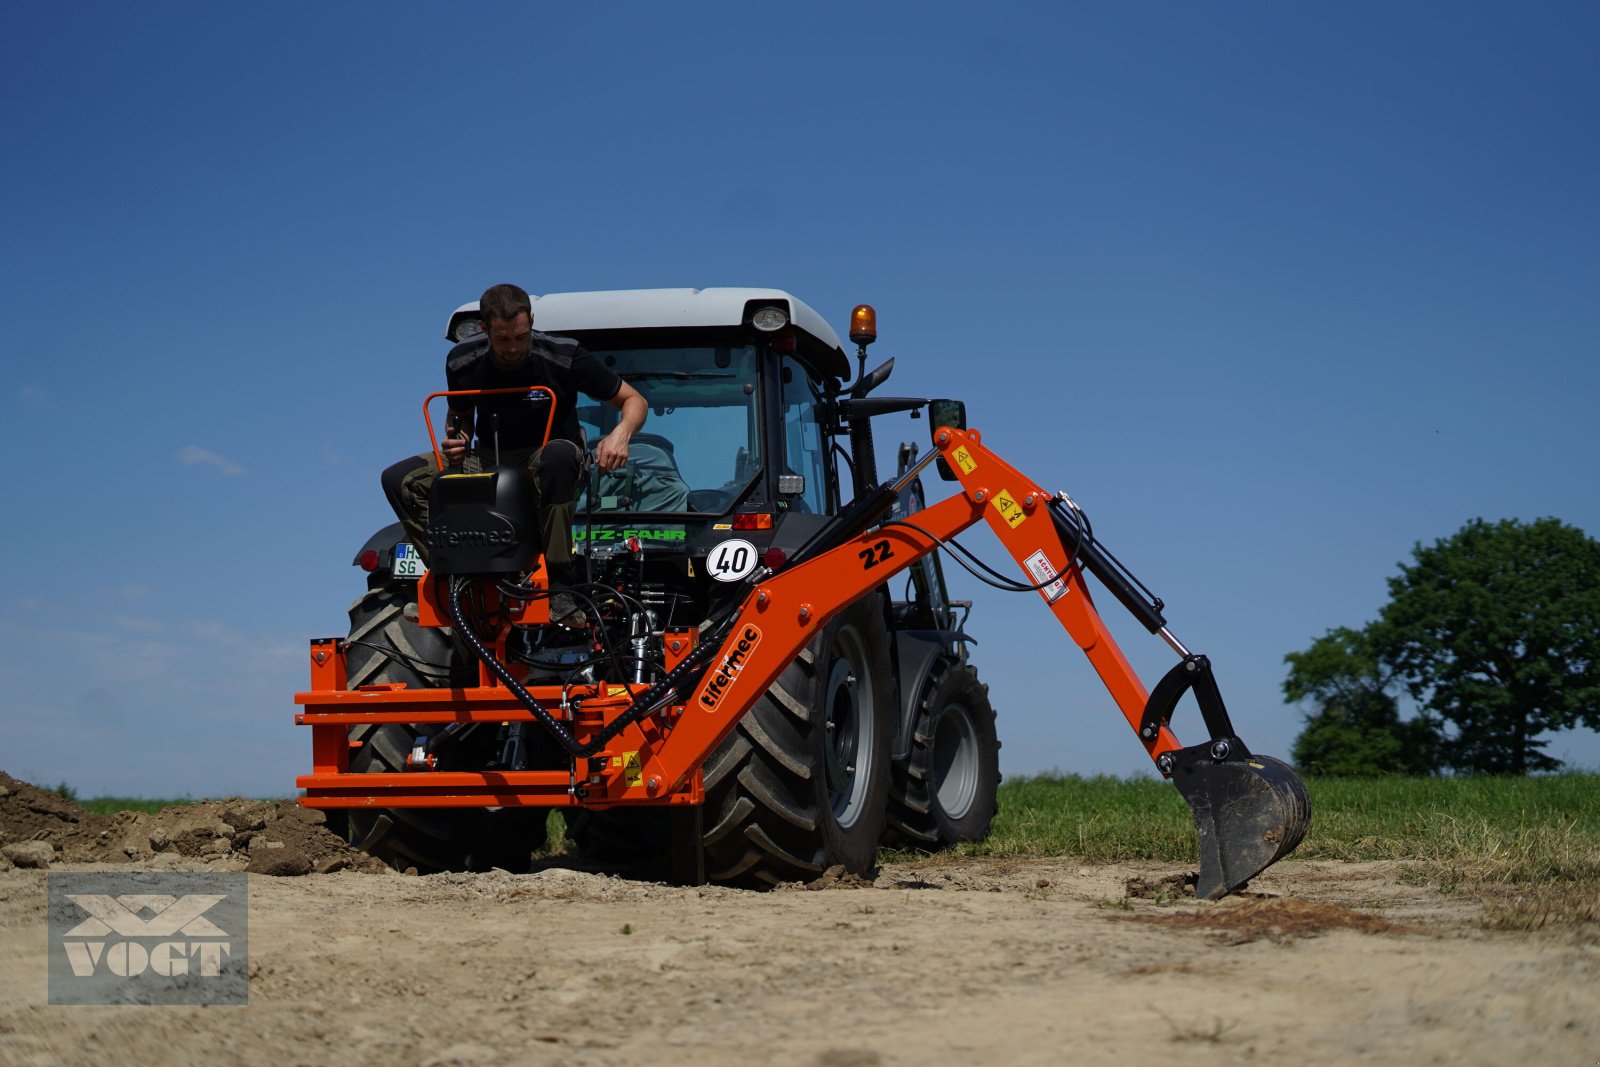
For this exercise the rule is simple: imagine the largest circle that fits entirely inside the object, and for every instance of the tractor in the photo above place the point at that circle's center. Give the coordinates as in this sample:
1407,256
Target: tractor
770,678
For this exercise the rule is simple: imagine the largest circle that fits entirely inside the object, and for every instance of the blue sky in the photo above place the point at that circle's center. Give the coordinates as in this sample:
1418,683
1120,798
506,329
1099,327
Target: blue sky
1275,291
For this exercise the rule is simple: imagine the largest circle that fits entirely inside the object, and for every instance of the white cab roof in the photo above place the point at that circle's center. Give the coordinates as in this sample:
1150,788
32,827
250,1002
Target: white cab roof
641,309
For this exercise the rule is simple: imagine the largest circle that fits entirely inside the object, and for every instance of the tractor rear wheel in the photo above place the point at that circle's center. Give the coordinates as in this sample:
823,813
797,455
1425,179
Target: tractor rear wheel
802,782
945,791
385,645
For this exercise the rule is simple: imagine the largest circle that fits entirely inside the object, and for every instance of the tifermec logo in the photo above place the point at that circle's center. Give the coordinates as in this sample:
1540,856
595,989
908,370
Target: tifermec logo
493,529
721,677
145,937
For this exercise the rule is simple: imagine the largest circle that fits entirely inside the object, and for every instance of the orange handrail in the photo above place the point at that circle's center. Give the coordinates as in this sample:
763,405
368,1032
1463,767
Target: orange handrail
433,439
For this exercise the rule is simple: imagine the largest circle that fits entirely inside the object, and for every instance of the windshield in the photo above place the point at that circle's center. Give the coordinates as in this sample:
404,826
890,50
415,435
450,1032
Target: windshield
701,444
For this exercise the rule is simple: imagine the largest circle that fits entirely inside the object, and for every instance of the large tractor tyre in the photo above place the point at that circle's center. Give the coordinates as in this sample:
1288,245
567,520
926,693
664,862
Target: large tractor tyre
385,645
385,638
802,782
945,791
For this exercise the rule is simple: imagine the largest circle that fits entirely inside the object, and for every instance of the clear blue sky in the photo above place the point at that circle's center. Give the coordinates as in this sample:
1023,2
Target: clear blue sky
1275,291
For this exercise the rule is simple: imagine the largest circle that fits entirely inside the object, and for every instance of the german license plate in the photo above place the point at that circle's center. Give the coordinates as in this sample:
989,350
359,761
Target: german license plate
407,564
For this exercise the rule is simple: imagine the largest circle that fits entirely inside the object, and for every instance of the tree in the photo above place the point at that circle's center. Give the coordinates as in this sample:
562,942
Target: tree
1496,629
1356,728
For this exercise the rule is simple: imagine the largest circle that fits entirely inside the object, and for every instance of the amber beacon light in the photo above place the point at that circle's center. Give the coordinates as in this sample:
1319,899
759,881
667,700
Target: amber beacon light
863,324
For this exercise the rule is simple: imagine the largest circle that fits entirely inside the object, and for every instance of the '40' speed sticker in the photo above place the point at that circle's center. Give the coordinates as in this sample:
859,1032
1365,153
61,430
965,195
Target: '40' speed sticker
732,560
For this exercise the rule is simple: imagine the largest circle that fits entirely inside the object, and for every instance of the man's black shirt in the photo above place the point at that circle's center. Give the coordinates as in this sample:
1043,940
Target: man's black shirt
558,363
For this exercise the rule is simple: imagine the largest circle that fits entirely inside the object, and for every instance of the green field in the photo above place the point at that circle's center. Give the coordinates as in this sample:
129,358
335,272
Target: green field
112,805
1537,827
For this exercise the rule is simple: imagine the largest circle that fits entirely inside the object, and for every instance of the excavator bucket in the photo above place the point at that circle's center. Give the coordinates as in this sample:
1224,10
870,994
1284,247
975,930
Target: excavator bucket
1249,812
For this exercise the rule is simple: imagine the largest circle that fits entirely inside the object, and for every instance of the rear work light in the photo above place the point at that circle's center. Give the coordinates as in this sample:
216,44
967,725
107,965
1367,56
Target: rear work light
769,319
759,521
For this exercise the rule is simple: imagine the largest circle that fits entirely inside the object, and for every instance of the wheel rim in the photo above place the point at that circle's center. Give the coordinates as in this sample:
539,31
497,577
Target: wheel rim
955,761
849,741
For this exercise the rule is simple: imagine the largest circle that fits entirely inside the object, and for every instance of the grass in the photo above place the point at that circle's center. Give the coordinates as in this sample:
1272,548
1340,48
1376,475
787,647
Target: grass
112,805
1530,847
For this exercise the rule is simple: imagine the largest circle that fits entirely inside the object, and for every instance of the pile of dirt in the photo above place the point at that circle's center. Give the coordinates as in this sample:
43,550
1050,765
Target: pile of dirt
1173,887
259,836
836,877
1240,920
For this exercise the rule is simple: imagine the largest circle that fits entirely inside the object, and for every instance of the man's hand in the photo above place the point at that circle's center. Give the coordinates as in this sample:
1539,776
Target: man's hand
454,445
612,451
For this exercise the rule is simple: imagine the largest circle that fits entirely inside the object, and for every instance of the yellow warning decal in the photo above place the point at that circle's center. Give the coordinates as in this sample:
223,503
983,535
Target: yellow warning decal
964,460
616,691
632,770
1010,510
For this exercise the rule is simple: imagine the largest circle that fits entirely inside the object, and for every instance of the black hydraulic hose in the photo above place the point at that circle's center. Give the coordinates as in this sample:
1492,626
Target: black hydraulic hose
699,657
429,671
957,550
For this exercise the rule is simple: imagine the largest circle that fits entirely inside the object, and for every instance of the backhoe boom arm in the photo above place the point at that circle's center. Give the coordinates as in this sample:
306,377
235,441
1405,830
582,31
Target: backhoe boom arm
1250,810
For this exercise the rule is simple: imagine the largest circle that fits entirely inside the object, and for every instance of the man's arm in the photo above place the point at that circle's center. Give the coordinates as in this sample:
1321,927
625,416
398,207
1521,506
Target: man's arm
612,451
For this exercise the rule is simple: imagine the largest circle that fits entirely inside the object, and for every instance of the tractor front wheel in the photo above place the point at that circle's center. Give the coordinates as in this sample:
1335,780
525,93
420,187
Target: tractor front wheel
945,791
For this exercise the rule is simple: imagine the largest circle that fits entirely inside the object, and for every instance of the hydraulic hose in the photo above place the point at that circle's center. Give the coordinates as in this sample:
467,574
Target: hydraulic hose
645,702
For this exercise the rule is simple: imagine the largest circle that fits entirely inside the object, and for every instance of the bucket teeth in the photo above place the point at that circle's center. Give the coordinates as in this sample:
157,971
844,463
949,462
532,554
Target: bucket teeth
1249,812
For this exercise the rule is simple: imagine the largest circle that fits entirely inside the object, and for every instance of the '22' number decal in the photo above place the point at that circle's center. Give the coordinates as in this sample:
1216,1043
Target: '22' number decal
875,554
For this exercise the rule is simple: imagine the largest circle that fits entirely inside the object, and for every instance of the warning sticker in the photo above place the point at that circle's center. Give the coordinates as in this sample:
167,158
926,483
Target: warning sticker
632,770
964,460
616,691
1010,510
1039,566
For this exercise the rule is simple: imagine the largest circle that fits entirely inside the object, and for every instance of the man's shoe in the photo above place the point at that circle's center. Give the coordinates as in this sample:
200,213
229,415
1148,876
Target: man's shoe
564,611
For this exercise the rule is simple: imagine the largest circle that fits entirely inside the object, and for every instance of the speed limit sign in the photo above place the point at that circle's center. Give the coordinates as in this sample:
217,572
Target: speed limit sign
731,560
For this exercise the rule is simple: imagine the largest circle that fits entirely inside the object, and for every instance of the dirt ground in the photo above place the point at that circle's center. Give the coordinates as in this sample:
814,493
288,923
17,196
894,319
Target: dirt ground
940,961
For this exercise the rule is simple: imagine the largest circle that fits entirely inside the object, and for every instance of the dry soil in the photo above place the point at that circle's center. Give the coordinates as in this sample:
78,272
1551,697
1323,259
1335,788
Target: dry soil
941,961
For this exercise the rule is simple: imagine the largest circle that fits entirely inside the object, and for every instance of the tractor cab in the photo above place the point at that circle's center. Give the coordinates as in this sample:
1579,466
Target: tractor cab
737,456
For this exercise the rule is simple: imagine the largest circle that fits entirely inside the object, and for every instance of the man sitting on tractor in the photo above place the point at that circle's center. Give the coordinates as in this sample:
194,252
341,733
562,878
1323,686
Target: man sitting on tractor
509,427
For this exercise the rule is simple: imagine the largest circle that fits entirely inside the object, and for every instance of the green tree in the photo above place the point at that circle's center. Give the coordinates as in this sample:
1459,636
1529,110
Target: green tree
1356,727
1496,630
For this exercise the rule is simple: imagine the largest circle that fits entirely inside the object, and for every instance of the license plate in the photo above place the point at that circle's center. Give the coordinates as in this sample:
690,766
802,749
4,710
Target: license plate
407,564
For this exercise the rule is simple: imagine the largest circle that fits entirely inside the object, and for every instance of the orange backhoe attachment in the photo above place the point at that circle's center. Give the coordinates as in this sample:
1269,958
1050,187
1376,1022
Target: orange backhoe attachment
637,744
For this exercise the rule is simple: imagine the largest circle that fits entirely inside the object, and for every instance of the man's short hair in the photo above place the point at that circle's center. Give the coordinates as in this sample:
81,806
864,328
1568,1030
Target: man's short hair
504,302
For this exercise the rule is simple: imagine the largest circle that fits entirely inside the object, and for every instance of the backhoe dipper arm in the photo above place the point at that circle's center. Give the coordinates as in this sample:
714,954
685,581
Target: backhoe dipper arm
1249,810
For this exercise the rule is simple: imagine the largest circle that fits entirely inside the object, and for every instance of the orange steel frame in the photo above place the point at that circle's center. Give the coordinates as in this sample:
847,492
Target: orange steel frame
658,760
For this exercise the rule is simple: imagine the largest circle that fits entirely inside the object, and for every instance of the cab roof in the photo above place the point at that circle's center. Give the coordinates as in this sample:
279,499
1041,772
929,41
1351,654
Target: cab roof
647,309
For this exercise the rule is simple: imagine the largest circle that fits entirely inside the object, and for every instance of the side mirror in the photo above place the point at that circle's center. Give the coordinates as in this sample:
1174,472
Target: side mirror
942,413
